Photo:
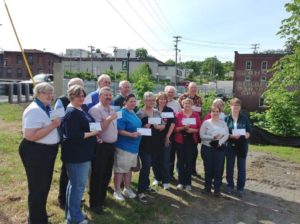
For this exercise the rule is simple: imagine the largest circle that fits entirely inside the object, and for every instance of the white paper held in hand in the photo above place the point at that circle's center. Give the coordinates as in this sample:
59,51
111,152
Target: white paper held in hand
189,121
196,109
119,113
167,115
154,120
60,112
144,131
95,126
241,131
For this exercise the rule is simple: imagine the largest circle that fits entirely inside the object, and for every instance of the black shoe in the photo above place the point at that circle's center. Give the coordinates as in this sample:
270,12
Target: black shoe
206,192
217,194
97,210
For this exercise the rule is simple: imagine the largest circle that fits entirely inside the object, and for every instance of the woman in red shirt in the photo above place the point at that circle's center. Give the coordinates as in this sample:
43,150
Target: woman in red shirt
185,140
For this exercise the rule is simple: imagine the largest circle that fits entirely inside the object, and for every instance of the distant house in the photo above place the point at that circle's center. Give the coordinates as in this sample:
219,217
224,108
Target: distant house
251,75
12,65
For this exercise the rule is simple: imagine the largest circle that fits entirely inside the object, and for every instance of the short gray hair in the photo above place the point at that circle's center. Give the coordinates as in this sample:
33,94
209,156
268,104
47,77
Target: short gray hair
124,82
167,88
42,87
75,81
148,95
103,76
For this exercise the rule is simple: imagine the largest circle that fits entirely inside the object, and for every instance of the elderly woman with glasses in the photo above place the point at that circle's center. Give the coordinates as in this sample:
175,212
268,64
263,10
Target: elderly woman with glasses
78,149
213,133
38,150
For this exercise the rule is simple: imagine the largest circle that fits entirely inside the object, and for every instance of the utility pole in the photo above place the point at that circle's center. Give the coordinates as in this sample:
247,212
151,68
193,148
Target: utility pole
92,50
115,75
128,56
177,39
254,47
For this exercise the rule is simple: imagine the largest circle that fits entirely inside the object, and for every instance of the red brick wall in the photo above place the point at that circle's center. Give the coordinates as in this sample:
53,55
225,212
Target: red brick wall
250,91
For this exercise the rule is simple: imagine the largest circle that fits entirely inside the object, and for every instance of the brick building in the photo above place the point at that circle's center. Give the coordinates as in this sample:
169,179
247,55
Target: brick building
12,65
251,75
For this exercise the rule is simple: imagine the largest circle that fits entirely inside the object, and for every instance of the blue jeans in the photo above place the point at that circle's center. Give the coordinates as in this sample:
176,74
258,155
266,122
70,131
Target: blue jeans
144,182
241,166
213,161
185,157
78,175
161,165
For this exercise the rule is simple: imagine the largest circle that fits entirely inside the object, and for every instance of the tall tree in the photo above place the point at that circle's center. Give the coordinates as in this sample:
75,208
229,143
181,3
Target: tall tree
141,53
212,67
170,62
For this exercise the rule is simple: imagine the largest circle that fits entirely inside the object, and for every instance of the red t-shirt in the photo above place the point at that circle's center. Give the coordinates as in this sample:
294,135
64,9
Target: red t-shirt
179,117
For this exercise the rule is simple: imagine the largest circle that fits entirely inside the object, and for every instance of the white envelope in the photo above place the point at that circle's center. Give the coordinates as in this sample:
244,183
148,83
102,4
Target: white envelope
167,115
196,109
119,114
154,120
241,131
95,126
60,112
189,121
115,108
144,131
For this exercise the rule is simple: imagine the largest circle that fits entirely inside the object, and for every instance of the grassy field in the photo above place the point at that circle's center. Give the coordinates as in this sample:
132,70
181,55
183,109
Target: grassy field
13,185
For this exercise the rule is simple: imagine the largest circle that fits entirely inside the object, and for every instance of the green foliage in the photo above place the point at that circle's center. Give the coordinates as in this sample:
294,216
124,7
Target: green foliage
83,75
170,62
212,67
290,27
142,80
141,53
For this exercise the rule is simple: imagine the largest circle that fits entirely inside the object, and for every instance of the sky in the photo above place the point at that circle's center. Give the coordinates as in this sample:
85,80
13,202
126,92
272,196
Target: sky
207,28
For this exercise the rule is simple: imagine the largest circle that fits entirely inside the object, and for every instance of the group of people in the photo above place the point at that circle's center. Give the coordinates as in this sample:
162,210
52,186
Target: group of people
128,139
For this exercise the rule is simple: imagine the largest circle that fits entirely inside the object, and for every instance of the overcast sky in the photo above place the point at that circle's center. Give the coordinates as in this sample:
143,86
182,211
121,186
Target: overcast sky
207,27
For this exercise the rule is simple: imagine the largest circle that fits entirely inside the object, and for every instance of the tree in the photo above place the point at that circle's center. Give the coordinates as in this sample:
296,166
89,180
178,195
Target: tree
141,53
170,62
211,67
142,80
282,97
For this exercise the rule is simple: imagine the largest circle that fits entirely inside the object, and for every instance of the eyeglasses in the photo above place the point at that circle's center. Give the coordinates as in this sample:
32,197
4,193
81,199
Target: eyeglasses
48,93
81,96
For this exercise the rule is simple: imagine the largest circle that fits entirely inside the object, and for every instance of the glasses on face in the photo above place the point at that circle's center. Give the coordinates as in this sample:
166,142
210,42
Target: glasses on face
48,93
80,96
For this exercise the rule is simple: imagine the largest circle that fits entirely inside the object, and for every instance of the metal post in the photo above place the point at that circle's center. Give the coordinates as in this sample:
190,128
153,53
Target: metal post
26,92
10,93
19,92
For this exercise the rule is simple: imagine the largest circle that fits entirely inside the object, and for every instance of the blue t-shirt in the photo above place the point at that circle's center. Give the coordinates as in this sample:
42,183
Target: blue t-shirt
129,122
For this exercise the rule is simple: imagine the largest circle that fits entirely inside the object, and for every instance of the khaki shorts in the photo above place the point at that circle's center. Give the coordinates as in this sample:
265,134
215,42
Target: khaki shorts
124,161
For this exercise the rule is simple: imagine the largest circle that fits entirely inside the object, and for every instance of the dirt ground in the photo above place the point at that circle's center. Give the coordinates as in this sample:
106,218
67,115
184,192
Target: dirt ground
272,196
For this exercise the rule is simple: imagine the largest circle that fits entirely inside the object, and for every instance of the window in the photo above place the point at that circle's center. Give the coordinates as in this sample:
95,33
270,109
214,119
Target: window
248,65
263,78
9,71
261,102
247,78
30,59
19,72
264,65
19,59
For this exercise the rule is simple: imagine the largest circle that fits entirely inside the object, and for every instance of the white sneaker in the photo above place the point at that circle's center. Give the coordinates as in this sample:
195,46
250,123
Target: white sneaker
127,192
155,183
166,186
118,196
179,187
188,187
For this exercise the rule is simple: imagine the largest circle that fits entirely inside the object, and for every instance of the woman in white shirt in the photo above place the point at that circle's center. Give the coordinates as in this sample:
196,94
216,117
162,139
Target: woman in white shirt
213,133
38,150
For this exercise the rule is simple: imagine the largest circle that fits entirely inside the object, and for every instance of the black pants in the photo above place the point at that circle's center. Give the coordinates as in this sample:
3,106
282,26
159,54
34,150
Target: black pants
101,173
173,155
63,183
38,160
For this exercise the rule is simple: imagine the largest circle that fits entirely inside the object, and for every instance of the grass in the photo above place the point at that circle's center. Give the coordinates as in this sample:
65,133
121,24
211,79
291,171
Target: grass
287,153
13,184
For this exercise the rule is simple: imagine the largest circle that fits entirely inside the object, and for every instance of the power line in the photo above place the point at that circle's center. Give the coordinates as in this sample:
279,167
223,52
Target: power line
162,28
161,11
159,18
254,47
133,28
177,39
141,18
211,45
213,42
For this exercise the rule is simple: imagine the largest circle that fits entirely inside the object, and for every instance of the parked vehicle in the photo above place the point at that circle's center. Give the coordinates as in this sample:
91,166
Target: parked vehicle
40,78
